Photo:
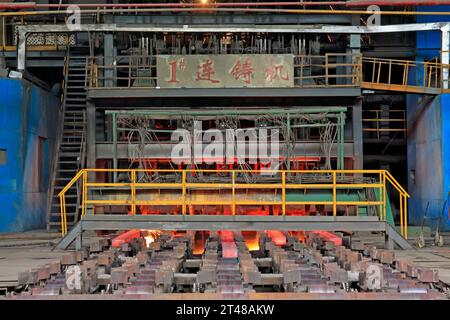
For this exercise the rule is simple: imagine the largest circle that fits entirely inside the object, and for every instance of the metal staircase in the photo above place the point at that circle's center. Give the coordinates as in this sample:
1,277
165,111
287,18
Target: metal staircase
72,143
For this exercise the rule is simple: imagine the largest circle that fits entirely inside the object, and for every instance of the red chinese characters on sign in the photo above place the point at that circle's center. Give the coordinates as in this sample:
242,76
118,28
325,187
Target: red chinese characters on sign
225,71
205,71
243,70
179,64
276,71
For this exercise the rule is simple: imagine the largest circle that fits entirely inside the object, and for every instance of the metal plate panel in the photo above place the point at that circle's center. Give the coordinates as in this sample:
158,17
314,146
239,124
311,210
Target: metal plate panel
225,71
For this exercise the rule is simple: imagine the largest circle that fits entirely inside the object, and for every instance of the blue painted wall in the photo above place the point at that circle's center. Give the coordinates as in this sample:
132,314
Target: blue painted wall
429,42
28,122
428,158
445,112
429,137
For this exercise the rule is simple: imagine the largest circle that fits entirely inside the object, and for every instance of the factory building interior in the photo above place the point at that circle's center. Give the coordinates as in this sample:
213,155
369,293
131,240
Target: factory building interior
212,149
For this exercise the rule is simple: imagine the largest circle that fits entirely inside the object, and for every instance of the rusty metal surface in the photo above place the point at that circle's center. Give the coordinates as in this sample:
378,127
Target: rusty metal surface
316,269
250,296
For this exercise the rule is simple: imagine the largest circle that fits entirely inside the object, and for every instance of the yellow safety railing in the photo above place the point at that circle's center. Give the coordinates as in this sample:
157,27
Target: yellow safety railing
403,75
395,122
311,71
340,179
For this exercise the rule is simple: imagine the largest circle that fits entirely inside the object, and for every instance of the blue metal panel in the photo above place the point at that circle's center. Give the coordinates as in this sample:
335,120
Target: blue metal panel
425,171
428,136
429,42
28,122
445,111
10,139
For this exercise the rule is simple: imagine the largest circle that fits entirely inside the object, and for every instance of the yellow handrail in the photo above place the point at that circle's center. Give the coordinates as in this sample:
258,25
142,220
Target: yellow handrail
394,182
62,201
381,75
283,185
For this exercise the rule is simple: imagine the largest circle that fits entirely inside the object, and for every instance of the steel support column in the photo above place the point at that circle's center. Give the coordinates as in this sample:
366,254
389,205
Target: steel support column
357,130
108,47
114,134
90,135
445,59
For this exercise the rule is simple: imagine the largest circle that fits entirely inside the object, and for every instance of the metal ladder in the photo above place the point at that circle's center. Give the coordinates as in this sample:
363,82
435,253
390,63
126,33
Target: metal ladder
71,149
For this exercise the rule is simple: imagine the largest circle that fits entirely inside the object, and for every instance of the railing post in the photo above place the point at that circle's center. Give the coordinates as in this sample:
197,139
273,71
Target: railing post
133,192
84,195
405,219
379,71
384,196
381,190
62,212
183,192
390,71
233,192
283,192
401,215
334,195
405,83
373,70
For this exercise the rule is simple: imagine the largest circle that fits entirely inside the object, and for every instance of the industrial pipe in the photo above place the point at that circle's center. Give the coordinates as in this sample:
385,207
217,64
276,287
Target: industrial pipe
350,3
33,5
224,9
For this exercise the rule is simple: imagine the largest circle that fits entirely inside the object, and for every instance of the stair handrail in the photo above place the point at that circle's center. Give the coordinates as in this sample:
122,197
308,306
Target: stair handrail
403,208
62,198
395,183
81,165
59,134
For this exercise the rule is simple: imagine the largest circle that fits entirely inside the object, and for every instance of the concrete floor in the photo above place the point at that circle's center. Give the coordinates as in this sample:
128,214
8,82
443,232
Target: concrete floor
24,251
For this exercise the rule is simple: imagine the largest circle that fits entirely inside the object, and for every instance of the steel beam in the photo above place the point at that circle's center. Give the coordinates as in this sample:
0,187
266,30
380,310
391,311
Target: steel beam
23,31
230,19
238,223
148,93
221,222
163,150
214,112
323,29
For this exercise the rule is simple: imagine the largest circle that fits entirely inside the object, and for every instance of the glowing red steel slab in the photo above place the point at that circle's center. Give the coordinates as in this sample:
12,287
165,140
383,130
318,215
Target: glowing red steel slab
226,236
329,236
125,238
277,237
229,250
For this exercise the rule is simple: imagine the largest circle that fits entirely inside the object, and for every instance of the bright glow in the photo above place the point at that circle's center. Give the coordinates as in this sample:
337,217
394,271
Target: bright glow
152,235
204,1
148,240
251,239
